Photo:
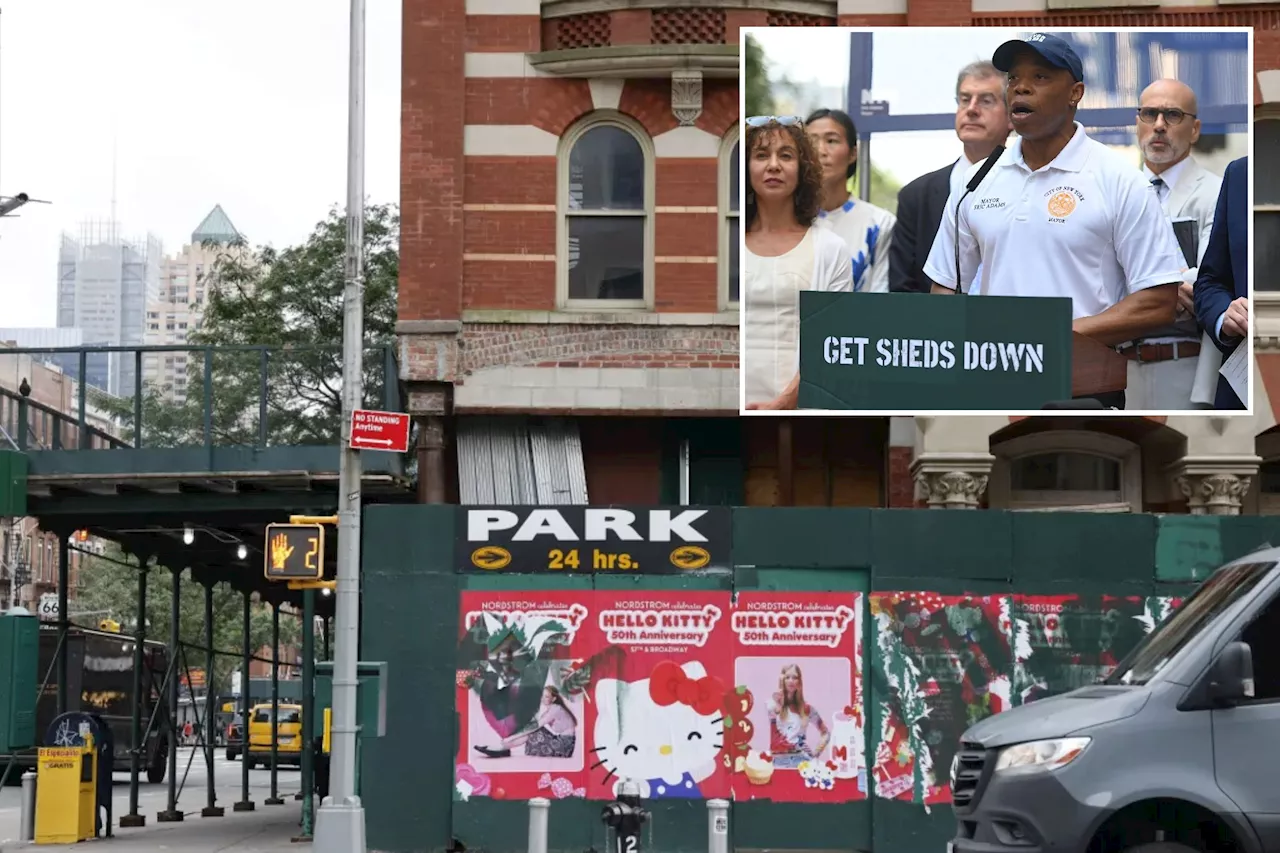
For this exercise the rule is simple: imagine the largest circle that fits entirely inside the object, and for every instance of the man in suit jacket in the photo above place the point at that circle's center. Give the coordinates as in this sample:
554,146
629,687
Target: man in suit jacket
1222,288
982,123
1165,364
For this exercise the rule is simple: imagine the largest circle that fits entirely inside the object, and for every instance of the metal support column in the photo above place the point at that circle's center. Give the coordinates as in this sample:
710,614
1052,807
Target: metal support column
211,809
245,804
340,826
64,618
274,799
171,814
133,818
307,793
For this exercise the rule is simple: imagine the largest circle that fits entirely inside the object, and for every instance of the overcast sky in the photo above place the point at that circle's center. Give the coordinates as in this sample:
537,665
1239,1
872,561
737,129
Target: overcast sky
241,103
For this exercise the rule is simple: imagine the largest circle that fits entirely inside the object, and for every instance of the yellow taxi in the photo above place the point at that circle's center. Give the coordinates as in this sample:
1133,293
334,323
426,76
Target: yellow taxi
287,732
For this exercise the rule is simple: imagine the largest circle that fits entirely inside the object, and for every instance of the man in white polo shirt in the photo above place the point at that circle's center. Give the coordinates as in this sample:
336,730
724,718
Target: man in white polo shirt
1061,214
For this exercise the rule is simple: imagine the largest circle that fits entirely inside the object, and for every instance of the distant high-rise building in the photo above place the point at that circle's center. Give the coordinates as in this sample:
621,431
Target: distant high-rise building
179,305
96,363
104,286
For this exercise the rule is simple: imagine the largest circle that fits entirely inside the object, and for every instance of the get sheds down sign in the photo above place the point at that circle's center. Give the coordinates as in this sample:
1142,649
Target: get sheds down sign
572,539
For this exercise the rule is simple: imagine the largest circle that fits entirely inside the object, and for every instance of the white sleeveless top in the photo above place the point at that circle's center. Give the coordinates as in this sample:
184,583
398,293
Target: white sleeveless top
771,307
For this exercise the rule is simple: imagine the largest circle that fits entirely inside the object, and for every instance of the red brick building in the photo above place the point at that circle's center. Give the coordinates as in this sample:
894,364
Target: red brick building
568,299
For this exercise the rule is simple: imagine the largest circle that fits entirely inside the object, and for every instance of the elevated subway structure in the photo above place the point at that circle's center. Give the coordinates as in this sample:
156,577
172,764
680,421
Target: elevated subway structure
1117,67
189,488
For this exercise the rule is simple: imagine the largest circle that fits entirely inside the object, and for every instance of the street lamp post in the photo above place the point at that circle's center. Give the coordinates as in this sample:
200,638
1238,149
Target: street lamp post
340,819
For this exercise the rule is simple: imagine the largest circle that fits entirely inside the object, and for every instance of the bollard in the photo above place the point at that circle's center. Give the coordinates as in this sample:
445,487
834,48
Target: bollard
539,809
718,826
28,821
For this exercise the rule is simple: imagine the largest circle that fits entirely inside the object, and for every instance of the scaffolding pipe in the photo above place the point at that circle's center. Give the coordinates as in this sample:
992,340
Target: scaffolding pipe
245,804
211,809
133,818
274,799
171,813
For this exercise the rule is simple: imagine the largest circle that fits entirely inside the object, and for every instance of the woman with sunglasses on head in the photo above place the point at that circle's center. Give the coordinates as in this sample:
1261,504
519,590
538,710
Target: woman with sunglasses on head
787,250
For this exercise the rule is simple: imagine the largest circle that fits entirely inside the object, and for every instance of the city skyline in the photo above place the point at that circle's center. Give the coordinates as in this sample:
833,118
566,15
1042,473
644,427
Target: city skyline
240,117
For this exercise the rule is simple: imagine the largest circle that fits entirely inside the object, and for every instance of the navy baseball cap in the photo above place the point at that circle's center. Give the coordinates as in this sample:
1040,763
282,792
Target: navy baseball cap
1057,52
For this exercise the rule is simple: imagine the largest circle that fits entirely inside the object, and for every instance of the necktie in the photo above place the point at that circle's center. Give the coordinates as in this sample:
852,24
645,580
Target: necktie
1160,185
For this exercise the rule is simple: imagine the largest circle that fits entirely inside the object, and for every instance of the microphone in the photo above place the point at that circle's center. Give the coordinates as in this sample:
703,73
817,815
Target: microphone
987,166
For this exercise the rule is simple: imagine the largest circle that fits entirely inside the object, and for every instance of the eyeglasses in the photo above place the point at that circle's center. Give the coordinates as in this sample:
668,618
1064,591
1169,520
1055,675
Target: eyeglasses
785,121
1172,117
985,101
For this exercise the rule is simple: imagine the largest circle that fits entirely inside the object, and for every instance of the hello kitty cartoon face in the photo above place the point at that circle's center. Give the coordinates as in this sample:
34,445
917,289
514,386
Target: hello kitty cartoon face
665,731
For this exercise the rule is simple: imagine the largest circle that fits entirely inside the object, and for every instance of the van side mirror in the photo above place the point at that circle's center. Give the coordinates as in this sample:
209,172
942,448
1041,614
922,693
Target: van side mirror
1231,677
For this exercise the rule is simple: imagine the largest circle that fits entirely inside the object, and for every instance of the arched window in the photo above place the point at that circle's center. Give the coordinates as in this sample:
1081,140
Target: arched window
1266,204
730,226
605,229
1067,470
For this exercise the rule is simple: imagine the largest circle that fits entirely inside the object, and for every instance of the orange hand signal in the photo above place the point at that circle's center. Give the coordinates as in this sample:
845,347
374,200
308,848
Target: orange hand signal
281,550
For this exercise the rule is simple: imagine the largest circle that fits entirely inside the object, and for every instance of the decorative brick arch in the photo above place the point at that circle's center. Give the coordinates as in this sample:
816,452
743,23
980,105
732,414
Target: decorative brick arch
558,102
648,101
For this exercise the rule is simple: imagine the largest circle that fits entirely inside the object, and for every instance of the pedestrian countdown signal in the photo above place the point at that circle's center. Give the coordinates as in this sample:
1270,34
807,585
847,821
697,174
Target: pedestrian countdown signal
294,552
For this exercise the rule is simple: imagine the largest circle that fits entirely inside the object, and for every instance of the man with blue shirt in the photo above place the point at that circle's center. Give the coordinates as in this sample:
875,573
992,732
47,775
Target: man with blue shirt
1222,289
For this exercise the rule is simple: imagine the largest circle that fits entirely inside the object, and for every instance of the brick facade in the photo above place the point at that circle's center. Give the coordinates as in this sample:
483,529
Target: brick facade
485,327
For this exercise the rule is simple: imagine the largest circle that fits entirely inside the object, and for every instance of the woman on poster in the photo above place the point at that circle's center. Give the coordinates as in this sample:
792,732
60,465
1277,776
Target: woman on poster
553,733
790,718
787,250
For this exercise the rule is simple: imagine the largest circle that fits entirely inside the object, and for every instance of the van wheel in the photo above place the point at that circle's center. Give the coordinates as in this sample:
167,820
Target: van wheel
1163,847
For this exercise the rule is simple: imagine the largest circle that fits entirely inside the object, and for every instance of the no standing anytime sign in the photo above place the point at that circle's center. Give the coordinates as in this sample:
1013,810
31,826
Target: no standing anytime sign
388,431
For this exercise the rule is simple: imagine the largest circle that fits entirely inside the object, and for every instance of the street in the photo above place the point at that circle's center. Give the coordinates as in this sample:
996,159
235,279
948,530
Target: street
267,828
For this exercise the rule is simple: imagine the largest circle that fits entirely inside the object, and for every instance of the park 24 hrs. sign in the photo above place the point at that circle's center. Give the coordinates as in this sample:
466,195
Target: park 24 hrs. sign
571,539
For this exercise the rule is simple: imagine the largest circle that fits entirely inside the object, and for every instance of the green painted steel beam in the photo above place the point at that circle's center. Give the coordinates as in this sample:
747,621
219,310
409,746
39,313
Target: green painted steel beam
223,462
169,508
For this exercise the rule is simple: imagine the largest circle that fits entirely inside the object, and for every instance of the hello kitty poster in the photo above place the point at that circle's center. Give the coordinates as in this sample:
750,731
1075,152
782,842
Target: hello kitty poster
521,699
659,717
800,657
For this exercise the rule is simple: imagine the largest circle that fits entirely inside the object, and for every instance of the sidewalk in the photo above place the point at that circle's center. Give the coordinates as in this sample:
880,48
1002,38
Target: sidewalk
266,830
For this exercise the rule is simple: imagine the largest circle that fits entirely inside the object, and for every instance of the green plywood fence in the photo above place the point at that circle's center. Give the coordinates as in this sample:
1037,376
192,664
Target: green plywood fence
410,620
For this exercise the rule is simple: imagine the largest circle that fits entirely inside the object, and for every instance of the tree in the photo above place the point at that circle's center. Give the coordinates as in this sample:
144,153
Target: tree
759,95
291,301
760,86
109,590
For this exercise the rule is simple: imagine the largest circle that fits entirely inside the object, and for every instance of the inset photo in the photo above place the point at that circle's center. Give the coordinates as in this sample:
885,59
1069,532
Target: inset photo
1092,188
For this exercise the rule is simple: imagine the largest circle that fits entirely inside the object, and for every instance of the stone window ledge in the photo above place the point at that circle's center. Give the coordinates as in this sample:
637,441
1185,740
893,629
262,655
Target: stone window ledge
637,61
599,318
563,8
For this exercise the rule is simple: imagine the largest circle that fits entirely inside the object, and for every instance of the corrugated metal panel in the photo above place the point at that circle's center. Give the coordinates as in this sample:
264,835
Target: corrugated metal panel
518,460
557,461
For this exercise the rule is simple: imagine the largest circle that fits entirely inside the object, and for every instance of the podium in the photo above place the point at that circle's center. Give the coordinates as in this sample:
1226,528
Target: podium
1096,368
906,353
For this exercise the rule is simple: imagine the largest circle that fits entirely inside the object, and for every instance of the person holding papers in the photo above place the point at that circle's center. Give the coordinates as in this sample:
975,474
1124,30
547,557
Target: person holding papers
1060,214
1222,290
1169,366
787,250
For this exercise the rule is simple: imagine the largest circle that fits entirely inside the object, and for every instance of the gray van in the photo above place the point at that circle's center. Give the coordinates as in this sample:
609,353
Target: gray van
1177,751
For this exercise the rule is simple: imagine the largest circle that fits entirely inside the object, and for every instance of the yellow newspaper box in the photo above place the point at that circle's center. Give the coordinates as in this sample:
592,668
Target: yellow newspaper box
66,798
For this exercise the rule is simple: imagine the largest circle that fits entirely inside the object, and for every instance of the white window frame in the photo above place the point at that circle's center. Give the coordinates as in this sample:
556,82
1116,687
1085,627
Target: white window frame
1127,454
603,118
728,166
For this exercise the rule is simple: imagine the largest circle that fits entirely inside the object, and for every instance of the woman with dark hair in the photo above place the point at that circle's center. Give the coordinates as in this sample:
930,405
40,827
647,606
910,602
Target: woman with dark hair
865,228
786,251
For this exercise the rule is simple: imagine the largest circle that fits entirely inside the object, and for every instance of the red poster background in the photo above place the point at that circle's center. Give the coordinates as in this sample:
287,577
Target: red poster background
774,634
500,709
657,703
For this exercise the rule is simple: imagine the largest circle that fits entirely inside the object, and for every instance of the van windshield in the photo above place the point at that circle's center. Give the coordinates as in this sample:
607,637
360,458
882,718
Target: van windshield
1211,599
